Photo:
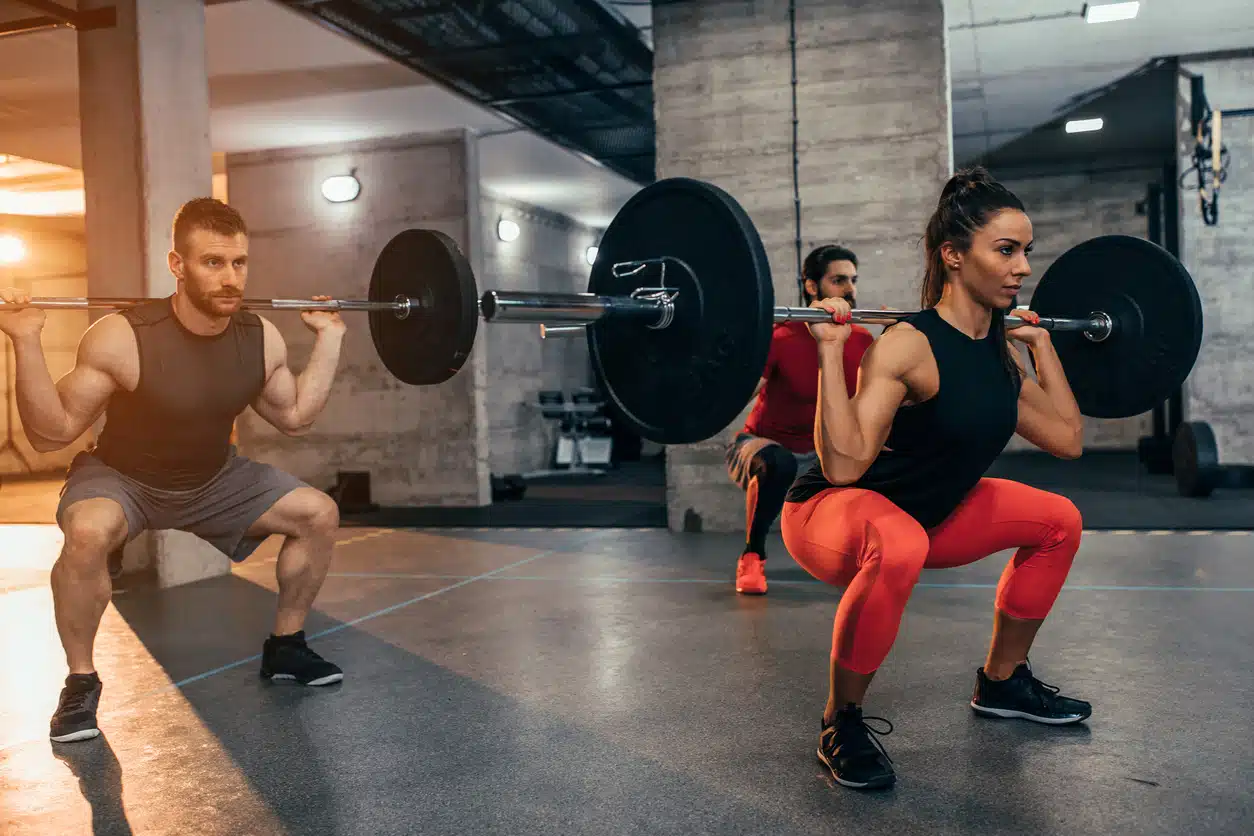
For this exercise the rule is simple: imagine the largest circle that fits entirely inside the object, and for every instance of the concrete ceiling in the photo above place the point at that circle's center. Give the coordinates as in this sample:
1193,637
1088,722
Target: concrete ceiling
278,79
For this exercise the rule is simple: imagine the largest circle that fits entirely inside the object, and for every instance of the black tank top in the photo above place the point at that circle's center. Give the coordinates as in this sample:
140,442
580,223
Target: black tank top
174,431
939,449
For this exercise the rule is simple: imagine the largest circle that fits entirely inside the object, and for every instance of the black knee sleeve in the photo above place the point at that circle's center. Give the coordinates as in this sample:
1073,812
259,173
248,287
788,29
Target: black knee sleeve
774,468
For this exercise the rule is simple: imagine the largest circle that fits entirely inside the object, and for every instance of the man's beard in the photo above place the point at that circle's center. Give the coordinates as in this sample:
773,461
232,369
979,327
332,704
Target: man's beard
205,302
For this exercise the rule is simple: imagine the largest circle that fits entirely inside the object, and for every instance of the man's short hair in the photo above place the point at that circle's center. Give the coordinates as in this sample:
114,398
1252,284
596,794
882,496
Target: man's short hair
205,213
817,261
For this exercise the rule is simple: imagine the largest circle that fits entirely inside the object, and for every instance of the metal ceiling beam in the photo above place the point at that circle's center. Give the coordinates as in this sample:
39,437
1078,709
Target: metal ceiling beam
57,16
550,66
574,91
53,10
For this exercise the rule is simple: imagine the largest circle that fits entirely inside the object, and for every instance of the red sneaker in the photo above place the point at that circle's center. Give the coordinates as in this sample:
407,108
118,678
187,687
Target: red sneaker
751,575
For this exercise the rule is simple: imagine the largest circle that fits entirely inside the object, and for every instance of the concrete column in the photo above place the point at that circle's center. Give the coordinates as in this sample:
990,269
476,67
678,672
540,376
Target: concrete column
873,152
144,111
1220,389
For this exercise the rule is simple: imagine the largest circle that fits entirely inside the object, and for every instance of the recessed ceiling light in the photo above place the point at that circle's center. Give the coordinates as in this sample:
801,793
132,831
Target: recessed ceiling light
1110,12
1083,126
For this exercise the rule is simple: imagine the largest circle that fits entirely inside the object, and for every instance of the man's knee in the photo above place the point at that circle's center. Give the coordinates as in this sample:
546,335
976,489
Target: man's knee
316,513
774,463
93,528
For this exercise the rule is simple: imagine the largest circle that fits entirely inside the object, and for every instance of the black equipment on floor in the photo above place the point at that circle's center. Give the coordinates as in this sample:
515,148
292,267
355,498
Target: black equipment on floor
583,442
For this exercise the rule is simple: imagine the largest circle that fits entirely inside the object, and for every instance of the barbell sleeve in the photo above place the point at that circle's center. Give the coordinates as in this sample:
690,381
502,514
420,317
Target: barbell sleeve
584,308
548,332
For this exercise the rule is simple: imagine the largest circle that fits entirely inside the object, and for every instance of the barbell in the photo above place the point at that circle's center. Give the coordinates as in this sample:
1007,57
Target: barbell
680,312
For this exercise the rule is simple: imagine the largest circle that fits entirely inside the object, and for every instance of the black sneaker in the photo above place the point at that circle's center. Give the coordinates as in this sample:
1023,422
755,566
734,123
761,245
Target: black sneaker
855,757
288,657
1026,697
75,717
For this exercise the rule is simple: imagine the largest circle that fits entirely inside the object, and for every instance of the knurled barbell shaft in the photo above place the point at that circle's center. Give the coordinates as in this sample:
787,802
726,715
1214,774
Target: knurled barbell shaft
401,306
586,308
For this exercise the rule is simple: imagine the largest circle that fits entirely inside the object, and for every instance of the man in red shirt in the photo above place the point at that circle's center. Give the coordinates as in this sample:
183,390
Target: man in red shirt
777,442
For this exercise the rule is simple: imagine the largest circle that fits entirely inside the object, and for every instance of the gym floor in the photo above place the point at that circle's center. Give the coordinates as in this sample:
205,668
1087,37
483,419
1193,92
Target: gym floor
606,681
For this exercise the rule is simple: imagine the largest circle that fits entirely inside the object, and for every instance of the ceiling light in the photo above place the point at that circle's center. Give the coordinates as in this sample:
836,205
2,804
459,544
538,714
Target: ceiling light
341,189
1110,12
507,230
12,250
591,254
1083,126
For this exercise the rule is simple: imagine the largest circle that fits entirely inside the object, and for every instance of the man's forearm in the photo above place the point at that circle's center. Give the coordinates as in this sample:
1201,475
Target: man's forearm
313,386
38,401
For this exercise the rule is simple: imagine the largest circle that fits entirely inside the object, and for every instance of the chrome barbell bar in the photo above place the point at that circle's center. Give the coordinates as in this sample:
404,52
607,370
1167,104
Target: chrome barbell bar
401,306
587,308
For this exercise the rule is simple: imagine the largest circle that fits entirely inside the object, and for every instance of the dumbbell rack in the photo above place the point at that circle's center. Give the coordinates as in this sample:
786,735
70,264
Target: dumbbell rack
577,467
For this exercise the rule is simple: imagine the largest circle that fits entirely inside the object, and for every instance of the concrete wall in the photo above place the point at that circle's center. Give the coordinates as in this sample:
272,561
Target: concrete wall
1067,210
1220,389
549,255
421,445
55,265
874,152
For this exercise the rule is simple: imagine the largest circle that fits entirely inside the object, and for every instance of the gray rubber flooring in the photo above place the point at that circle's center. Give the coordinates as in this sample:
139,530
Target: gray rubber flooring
611,682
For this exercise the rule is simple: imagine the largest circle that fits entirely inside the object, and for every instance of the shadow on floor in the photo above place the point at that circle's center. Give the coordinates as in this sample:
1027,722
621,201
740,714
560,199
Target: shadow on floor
406,745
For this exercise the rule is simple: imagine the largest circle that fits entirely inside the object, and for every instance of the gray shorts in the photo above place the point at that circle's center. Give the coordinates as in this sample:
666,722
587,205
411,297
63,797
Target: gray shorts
744,447
219,512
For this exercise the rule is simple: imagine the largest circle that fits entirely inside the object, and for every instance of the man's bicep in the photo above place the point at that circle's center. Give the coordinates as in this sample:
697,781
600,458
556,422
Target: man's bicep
85,389
280,389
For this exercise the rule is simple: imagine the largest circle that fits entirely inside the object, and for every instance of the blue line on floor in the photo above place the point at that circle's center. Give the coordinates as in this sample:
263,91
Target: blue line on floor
466,580
612,579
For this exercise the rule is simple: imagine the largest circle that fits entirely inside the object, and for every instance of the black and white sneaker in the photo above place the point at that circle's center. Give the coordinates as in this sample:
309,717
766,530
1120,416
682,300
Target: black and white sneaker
288,657
849,749
1026,697
75,717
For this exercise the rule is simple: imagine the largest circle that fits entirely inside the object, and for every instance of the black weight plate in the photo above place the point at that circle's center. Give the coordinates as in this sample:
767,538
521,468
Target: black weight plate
1195,458
1157,323
431,344
686,382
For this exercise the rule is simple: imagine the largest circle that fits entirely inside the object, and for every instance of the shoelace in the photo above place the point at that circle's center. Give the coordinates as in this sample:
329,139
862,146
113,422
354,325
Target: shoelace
304,653
74,699
872,734
1041,690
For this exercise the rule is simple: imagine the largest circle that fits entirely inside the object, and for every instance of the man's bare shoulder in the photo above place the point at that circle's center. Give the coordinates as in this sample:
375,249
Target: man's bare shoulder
110,336
109,345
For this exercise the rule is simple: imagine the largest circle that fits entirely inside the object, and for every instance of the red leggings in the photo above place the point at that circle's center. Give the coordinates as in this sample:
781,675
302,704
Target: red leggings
860,540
